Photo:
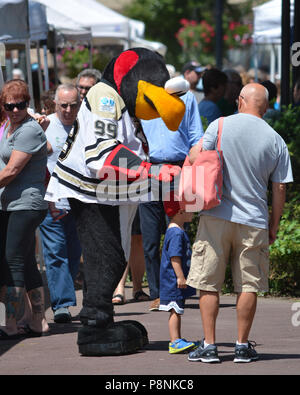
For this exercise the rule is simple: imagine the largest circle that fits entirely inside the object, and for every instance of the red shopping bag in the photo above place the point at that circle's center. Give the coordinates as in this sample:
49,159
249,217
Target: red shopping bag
201,183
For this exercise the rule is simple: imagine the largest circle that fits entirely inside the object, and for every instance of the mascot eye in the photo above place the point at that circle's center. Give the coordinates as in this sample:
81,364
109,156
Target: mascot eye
149,102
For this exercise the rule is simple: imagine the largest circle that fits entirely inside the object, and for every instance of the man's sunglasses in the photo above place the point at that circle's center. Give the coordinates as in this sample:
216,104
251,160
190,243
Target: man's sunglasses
84,88
66,105
10,106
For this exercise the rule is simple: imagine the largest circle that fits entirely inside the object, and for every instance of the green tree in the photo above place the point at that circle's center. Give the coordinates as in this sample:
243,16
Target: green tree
162,19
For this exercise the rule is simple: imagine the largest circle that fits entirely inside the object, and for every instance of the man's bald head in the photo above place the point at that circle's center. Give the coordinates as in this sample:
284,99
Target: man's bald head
253,99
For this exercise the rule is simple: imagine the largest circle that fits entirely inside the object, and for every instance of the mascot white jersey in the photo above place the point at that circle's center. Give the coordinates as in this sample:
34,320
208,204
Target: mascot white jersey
103,155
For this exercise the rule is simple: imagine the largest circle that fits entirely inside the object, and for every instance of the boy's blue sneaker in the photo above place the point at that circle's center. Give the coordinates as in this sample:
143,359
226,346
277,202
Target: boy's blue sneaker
180,345
208,354
245,353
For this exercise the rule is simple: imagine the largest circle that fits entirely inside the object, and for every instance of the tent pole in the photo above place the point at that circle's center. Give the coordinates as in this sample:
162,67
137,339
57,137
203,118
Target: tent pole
39,69
55,58
255,62
46,70
272,66
1,77
29,75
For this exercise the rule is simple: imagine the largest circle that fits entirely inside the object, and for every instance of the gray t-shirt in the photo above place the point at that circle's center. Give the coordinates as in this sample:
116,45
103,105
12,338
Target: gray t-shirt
253,154
27,190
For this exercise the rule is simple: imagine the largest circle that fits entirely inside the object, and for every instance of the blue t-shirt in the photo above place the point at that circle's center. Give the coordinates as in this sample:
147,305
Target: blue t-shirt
209,110
176,243
168,146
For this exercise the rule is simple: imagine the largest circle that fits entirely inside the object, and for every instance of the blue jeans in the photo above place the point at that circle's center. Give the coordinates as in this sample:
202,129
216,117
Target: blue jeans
62,252
153,225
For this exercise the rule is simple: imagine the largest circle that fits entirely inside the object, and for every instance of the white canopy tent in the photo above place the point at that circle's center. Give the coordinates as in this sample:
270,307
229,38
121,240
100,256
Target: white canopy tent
106,26
267,22
89,14
267,32
41,21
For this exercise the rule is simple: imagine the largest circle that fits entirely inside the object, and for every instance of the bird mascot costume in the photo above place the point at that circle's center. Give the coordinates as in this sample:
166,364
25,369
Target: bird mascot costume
104,158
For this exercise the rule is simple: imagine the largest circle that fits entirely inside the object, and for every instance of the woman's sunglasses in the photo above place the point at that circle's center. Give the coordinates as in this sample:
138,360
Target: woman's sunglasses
10,106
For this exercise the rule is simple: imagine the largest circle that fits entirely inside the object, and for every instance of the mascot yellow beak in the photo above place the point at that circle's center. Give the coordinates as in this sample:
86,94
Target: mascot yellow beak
154,102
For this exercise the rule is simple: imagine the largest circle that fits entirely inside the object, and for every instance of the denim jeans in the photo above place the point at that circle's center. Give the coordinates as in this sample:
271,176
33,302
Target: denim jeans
153,225
62,251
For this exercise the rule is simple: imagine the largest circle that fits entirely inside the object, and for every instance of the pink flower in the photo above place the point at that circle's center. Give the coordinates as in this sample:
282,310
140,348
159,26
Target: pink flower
184,21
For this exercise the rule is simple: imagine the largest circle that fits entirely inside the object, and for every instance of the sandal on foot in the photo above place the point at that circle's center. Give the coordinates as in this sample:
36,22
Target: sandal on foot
120,300
28,332
141,296
5,336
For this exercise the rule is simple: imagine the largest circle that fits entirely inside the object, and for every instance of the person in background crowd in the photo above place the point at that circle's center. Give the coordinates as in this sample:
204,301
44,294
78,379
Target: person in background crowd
214,84
136,264
228,103
239,229
23,158
47,102
271,113
86,79
296,93
60,242
17,74
192,72
165,147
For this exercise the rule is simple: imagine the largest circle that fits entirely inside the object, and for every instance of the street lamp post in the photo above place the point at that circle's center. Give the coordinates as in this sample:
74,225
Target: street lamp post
219,34
285,52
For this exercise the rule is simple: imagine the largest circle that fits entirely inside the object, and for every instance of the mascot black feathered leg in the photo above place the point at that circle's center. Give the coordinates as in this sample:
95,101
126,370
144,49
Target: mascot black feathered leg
102,157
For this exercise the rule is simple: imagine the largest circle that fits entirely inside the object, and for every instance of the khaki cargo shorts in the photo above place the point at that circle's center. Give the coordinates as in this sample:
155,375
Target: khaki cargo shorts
219,242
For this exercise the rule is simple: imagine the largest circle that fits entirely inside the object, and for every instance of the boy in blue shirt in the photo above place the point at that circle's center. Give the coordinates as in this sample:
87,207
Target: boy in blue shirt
175,263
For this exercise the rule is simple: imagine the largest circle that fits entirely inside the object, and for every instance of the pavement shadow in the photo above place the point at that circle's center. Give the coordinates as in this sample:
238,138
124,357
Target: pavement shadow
55,329
128,314
160,345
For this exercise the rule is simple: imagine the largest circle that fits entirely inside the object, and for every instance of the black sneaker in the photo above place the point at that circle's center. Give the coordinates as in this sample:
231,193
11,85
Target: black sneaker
208,354
245,353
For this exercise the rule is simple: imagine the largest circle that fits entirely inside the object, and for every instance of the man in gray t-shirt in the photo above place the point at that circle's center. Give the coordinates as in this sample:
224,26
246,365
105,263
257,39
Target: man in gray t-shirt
239,230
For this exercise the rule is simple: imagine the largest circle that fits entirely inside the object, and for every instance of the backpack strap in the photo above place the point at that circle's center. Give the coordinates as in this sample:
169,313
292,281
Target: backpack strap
220,129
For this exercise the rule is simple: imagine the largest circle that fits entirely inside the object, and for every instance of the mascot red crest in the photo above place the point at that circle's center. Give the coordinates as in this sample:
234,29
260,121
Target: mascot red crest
103,155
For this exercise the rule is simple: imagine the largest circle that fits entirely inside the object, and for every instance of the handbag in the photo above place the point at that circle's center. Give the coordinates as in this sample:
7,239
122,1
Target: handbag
200,185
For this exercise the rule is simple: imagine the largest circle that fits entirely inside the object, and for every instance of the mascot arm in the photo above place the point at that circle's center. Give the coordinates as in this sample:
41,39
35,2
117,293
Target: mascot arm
119,162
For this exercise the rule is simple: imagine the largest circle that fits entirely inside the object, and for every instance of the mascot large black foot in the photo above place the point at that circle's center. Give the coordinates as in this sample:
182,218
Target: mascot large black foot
124,337
102,164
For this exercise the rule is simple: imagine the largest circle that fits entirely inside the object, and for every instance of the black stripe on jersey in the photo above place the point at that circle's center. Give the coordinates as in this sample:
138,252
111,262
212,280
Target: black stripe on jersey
78,175
74,187
98,141
116,196
95,158
87,104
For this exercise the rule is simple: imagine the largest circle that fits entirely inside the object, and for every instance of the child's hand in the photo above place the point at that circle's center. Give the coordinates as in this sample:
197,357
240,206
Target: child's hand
181,282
